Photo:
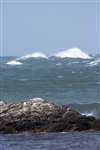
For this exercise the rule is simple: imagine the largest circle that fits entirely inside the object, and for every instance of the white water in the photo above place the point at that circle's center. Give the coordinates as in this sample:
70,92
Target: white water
33,55
89,114
72,53
95,62
14,62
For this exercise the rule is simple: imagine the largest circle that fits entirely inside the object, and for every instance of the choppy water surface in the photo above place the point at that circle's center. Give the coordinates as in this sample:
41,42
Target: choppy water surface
65,81
60,141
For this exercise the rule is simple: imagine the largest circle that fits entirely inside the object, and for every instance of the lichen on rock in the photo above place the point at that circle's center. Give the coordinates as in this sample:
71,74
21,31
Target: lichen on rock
39,115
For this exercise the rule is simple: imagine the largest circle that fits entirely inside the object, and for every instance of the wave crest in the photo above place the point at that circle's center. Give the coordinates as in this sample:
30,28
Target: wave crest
33,55
72,53
14,62
95,62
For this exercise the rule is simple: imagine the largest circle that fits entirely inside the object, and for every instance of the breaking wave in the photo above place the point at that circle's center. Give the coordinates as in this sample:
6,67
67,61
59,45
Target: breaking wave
72,53
33,55
91,109
89,114
14,62
71,56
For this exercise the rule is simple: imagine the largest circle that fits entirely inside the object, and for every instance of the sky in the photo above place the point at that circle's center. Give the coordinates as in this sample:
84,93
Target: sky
48,26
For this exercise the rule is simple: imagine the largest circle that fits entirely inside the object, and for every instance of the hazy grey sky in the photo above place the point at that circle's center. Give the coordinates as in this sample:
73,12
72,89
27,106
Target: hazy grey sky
49,26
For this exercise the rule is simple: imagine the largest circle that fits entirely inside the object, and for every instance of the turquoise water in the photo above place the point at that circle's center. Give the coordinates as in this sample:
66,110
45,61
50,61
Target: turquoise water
74,82
64,81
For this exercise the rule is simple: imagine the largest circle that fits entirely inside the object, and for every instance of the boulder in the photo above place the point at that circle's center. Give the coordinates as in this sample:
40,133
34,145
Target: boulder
38,115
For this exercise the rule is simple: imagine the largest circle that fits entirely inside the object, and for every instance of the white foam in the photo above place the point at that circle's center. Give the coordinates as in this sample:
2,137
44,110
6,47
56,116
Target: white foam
73,72
94,63
59,64
37,99
60,76
89,114
14,62
72,53
33,55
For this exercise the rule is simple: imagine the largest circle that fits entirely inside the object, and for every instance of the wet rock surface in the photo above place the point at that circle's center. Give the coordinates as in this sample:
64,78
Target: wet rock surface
38,115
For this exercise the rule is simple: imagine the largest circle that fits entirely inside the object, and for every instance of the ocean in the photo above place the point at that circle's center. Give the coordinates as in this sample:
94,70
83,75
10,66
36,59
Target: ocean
51,141
67,81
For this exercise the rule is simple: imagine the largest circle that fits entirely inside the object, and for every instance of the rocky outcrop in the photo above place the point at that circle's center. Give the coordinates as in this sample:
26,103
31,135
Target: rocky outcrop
38,115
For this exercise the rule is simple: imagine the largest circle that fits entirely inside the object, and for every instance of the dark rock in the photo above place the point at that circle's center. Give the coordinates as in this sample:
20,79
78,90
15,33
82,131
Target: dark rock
38,115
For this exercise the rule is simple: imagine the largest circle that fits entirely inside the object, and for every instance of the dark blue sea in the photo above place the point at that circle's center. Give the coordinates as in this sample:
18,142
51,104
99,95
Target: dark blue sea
51,141
74,82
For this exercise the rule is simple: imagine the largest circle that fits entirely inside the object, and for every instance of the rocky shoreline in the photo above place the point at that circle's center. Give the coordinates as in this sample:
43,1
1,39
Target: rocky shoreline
38,115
